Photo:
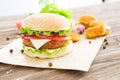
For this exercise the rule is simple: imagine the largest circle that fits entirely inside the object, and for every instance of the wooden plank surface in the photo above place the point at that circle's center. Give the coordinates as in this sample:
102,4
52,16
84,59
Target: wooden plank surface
106,65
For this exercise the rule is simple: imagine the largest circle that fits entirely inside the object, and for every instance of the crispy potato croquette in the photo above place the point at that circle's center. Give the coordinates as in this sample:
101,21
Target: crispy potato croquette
93,27
96,23
94,32
74,37
86,19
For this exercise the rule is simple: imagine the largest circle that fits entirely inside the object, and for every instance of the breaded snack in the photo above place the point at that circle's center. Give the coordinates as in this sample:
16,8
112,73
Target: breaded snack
86,26
74,37
96,23
86,19
94,32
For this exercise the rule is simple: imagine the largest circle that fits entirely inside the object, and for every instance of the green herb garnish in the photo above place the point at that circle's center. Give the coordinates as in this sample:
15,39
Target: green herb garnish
53,8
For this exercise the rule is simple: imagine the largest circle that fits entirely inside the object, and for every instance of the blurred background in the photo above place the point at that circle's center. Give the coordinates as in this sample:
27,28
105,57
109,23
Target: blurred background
17,7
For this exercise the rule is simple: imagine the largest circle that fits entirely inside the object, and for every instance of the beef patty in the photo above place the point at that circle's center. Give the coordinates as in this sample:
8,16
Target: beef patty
53,44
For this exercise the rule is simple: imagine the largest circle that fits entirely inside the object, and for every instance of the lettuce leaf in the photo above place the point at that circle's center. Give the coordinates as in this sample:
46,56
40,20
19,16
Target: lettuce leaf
47,33
53,8
48,52
37,33
25,30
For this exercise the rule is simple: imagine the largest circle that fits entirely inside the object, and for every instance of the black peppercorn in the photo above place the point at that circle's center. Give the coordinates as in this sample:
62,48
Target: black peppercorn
89,42
22,51
80,32
106,43
7,39
105,40
11,50
104,47
50,64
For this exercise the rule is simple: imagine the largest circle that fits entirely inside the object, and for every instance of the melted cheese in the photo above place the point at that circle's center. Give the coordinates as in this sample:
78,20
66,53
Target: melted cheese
38,43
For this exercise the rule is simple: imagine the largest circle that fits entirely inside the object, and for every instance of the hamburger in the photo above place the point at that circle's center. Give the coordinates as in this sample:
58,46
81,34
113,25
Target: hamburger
45,35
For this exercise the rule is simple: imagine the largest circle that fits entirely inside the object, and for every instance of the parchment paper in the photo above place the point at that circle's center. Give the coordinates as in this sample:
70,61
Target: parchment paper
80,59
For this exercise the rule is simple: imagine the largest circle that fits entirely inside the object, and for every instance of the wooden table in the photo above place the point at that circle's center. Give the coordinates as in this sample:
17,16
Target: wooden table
106,65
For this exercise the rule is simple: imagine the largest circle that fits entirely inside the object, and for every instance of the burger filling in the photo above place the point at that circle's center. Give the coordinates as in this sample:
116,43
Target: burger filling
56,41
25,30
49,48
53,44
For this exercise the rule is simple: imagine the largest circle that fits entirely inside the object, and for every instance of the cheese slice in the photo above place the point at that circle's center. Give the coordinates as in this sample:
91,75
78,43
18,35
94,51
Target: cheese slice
38,43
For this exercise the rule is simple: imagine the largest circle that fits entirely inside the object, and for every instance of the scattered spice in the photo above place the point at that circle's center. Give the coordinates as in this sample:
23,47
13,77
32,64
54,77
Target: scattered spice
105,40
22,51
106,43
50,64
89,42
81,32
104,47
7,39
11,50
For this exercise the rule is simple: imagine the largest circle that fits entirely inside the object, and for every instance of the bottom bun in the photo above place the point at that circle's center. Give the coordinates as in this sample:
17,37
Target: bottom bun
44,55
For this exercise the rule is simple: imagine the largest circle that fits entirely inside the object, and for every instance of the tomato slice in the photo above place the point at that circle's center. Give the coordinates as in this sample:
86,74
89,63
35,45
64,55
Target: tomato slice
45,37
18,24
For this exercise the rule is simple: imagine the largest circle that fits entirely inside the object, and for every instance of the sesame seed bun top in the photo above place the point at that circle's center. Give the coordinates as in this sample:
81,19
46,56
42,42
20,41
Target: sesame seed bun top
46,22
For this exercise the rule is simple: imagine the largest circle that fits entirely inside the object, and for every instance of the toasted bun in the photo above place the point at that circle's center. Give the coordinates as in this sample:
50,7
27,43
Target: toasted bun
46,22
56,55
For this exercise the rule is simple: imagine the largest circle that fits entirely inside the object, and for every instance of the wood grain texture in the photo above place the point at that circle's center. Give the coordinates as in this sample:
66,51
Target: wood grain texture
106,65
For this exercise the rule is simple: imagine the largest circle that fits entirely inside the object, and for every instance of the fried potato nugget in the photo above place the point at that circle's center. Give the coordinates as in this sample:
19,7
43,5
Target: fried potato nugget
94,32
86,19
96,23
74,37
